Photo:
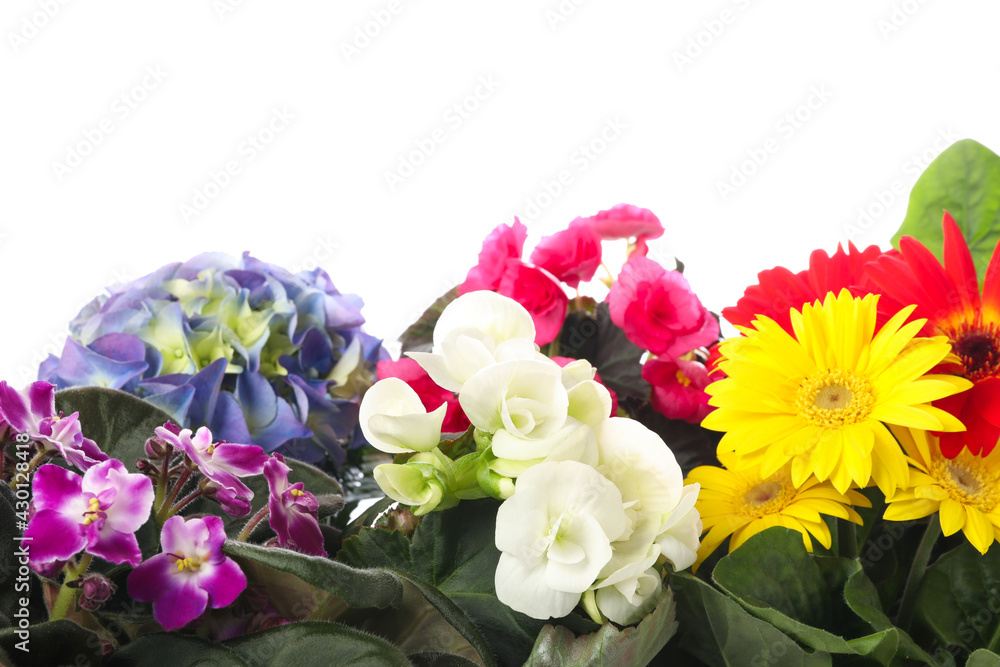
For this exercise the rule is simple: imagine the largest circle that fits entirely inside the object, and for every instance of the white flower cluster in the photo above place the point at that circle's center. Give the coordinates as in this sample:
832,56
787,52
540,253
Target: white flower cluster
594,505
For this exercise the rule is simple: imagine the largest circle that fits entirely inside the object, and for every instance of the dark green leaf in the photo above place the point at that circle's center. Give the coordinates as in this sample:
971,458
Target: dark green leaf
453,553
419,336
965,181
316,644
558,646
357,587
118,422
718,631
439,660
825,603
597,339
52,643
177,650
959,599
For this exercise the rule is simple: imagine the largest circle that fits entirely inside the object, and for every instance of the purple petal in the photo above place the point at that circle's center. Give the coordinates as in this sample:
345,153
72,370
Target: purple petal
84,457
304,534
132,503
82,367
42,397
120,347
151,579
15,409
241,460
223,581
215,538
58,489
117,547
228,422
183,537
233,501
54,536
316,353
180,604
98,478
276,472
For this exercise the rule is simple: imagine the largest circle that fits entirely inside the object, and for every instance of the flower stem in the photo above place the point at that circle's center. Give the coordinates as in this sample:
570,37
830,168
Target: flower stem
65,601
917,572
252,523
166,510
183,502
22,476
848,539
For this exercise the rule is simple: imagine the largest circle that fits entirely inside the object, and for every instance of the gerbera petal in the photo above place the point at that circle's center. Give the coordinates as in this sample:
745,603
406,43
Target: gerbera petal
978,529
952,517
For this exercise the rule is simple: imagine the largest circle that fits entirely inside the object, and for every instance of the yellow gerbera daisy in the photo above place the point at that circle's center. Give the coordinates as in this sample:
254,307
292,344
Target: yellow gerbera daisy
742,503
964,491
818,399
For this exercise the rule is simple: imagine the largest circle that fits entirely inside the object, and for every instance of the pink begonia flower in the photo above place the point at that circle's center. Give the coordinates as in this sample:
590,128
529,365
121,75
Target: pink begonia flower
33,412
505,242
678,388
223,463
563,361
572,255
99,513
501,270
191,574
658,311
625,221
431,394
293,511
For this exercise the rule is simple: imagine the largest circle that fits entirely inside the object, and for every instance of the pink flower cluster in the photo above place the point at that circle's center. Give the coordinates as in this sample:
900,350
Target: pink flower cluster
655,307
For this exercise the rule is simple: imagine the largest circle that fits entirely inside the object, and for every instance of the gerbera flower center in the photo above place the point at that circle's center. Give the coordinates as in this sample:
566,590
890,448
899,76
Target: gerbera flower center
968,480
768,496
834,398
979,350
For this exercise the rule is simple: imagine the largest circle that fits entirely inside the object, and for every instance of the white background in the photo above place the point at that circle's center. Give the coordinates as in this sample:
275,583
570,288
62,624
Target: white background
691,90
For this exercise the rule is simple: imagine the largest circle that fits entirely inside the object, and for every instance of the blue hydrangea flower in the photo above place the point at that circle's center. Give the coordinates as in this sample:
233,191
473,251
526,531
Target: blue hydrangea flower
256,354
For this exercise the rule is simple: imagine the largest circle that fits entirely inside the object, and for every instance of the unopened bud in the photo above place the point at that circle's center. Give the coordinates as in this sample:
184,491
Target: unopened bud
399,520
329,504
96,590
157,449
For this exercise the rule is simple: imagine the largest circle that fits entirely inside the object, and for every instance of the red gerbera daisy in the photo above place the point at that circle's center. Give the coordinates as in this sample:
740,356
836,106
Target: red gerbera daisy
779,290
948,296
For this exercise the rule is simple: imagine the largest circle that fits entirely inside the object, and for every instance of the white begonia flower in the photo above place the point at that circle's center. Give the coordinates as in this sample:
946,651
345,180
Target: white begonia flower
394,420
680,535
573,442
526,398
589,402
644,470
555,535
474,331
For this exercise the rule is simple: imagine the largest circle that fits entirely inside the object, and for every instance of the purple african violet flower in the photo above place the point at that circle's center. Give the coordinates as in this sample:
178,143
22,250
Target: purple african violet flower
223,463
33,412
99,512
191,574
219,341
293,511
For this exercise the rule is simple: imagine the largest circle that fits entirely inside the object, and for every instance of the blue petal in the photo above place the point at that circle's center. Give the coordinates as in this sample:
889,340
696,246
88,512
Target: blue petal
228,422
120,347
80,366
175,401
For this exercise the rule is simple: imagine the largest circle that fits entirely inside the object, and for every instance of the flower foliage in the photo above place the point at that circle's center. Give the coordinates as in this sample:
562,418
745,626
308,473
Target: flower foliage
240,346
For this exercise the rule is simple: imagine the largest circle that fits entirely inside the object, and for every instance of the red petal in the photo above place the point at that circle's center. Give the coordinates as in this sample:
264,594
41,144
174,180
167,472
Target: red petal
959,265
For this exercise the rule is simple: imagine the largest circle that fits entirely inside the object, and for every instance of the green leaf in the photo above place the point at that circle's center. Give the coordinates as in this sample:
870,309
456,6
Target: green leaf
316,644
436,659
59,642
118,422
983,658
419,336
558,646
183,651
452,559
965,181
362,588
959,599
825,603
718,631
